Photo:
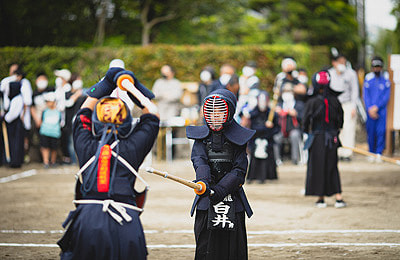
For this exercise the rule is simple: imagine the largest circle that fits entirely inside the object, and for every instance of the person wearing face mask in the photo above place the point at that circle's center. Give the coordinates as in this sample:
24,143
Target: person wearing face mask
73,101
376,96
38,97
248,80
290,113
207,80
38,106
262,163
62,88
289,74
345,80
168,91
225,73
249,88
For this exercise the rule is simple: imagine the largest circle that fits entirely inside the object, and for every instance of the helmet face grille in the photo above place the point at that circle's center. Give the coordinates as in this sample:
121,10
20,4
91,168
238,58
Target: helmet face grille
215,111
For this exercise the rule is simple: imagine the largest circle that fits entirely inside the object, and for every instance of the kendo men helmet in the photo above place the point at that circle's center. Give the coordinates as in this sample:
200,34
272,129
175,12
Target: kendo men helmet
321,80
111,113
219,108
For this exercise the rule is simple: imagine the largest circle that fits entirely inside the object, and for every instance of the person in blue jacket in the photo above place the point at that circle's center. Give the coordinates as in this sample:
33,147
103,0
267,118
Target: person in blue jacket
220,161
105,223
376,96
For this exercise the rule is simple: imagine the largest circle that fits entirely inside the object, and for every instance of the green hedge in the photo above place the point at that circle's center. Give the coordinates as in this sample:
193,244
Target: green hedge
146,62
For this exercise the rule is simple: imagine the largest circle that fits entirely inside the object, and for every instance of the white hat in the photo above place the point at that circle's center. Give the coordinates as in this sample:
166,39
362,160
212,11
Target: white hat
50,96
288,62
117,63
64,73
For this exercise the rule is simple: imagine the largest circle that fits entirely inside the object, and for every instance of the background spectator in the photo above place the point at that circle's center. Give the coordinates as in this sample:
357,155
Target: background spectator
168,92
376,96
344,79
50,130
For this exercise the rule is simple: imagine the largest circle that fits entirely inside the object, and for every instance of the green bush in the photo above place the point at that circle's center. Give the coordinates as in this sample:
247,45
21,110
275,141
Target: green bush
146,62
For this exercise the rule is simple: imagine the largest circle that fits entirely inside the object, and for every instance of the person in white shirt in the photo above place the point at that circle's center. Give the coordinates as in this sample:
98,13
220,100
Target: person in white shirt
62,88
344,79
13,106
168,92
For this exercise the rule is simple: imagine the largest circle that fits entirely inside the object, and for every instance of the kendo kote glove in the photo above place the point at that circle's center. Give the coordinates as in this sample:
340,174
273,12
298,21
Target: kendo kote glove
219,194
105,86
145,91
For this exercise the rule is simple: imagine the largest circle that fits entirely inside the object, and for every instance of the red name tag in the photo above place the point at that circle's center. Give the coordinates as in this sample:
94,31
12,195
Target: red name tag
103,171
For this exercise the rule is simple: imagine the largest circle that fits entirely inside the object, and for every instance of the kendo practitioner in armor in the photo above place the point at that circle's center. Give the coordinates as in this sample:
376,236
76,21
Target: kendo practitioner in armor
262,162
105,223
323,118
220,161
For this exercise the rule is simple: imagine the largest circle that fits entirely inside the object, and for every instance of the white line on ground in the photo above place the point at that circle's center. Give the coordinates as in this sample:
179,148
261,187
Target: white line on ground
302,231
18,176
250,245
261,232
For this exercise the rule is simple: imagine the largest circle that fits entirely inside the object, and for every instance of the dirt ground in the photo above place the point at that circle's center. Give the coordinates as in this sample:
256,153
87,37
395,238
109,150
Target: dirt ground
285,225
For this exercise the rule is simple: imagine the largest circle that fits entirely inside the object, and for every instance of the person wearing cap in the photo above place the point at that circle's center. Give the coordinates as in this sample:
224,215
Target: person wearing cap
376,95
106,224
323,119
50,130
344,79
289,75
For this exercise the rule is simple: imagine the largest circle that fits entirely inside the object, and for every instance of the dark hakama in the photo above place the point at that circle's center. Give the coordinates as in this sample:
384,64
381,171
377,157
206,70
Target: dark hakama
218,244
322,171
102,237
16,132
262,169
323,122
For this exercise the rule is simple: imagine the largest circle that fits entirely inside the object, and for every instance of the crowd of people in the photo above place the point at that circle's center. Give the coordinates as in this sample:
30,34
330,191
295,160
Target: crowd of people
31,124
39,119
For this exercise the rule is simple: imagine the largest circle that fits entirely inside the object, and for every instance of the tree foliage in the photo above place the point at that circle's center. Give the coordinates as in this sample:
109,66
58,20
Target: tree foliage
316,22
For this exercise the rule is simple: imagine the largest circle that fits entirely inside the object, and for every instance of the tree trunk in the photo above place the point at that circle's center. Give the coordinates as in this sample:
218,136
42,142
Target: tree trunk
101,24
145,35
147,25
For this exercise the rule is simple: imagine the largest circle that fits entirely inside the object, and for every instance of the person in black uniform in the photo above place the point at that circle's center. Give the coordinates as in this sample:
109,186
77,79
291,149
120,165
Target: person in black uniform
106,224
323,117
13,110
262,162
220,161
